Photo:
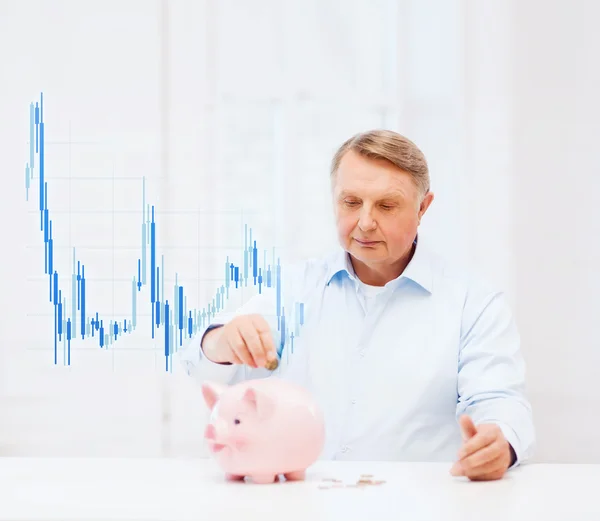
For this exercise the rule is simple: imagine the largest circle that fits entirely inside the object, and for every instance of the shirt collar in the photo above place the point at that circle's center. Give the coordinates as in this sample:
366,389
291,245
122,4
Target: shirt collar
418,269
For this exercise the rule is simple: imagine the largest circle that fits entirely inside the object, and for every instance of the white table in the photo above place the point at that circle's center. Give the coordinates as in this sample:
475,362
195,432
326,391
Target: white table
195,489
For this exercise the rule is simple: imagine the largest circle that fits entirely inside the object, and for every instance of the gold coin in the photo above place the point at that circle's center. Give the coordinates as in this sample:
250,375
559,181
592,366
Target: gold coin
272,364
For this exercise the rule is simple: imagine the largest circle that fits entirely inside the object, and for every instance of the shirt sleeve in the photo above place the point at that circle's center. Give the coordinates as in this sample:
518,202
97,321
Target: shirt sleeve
271,305
197,365
491,373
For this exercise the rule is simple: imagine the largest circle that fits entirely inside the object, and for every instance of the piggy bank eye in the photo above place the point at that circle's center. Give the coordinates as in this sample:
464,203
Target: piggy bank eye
236,421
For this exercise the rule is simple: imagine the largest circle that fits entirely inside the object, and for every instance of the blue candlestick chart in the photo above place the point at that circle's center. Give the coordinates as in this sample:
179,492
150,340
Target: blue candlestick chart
72,317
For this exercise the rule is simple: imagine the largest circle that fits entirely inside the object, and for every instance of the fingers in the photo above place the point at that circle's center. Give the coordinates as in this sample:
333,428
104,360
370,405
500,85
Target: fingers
239,349
490,476
495,463
479,441
250,340
484,456
467,427
483,461
253,342
235,359
493,468
264,331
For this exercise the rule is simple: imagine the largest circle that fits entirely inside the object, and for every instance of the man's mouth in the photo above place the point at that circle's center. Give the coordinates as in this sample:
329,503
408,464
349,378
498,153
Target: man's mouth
366,243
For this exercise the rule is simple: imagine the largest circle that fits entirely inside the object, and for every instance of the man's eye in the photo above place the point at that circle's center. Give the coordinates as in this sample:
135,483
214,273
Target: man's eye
386,207
351,203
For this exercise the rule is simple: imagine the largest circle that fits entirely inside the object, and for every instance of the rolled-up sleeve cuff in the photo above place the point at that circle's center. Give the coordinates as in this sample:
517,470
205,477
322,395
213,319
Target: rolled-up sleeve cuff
208,330
513,440
200,367
208,370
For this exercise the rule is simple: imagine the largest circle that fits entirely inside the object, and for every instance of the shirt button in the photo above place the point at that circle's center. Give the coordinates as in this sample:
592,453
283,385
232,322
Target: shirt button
353,402
345,449
362,354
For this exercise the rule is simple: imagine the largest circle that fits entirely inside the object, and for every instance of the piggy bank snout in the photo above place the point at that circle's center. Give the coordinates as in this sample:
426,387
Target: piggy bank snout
210,433
216,430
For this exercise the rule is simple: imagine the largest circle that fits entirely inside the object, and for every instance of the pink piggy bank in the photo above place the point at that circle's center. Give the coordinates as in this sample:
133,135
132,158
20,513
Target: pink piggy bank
263,428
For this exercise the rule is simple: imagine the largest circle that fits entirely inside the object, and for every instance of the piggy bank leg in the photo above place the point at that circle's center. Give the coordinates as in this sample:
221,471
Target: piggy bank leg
264,479
233,477
297,475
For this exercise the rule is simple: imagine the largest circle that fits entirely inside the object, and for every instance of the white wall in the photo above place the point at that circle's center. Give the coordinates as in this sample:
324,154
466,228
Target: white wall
232,111
216,103
533,117
100,68
557,219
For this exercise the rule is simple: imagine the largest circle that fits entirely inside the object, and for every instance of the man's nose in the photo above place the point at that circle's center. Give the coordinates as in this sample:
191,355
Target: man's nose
366,221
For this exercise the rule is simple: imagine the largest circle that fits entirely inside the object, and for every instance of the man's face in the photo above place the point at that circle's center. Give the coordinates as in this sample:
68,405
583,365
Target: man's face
377,209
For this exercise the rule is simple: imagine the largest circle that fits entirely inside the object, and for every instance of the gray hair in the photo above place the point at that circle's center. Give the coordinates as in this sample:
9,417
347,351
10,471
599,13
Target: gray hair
392,147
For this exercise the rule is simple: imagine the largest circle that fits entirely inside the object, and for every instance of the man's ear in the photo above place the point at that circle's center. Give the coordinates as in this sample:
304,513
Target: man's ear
211,392
425,203
259,402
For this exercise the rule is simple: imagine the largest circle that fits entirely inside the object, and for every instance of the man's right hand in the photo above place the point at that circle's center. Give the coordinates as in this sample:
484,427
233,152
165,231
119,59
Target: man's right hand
246,339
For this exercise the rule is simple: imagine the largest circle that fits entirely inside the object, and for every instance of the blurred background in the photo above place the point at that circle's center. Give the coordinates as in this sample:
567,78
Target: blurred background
213,123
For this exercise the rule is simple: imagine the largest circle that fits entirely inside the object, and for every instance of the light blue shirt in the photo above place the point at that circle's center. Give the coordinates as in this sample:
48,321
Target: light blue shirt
394,367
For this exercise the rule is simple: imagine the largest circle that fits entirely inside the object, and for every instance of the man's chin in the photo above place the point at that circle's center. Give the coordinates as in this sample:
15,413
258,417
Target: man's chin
366,254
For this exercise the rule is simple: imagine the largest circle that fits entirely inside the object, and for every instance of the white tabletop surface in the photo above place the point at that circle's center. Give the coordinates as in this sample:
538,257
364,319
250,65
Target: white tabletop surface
195,489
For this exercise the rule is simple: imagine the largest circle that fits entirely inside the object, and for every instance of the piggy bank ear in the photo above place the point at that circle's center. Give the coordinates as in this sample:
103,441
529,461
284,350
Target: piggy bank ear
260,402
211,392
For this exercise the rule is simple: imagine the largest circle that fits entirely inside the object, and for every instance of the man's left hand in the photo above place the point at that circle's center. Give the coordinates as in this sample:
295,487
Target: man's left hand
485,454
